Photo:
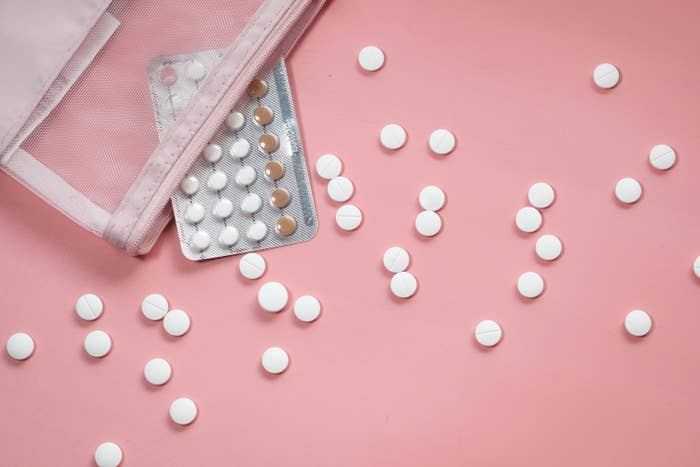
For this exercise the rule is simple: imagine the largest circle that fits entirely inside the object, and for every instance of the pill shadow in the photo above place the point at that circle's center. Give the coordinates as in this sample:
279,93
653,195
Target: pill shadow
439,157
599,90
484,348
348,233
171,338
270,376
399,300
265,316
305,324
393,152
525,235
154,387
622,205
11,362
635,340
526,300
90,360
693,277
180,428
423,238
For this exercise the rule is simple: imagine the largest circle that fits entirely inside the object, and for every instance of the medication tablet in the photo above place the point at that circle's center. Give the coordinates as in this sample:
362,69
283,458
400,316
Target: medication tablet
154,307
183,411
441,142
530,284
307,308
606,76
392,136
89,307
329,166
274,170
662,157
235,121
228,236
252,266
488,333
528,219
200,240
696,267
548,247
176,322
403,284
638,323
340,189
285,226
108,455
263,115
431,198
396,259
222,208
275,360
245,176
217,180
167,75
257,88
20,346
252,203
257,231
280,198
240,148
541,195
428,223
212,153
97,344
194,213
273,297
348,217
371,58
195,71
190,185
268,143
157,371
628,190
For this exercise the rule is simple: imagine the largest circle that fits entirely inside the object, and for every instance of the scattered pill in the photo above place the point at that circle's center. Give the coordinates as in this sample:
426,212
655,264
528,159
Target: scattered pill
628,190
428,223
183,411
348,217
396,259
528,219
488,333
252,203
190,185
662,157
212,153
154,306
89,307
285,226
340,189
245,176
329,166
541,195
257,231
167,75
606,76
235,121
217,180
638,323
307,308
696,267
257,88
371,58
176,322
548,247
200,240
20,346
194,213
97,344
441,142
222,208
228,236
392,136
272,297
274,171
108,455
431,198
252,266
263,115
279,198
157,371
275,360
268,143
240,148
403,284
530,284
195,71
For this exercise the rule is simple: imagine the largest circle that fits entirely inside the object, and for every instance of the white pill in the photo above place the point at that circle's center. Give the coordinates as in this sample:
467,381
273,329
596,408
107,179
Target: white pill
371,58
176,322
89,306
235,121
396,259
190,185
240,148
403,284
154,307
329,166
200,241
662,157
252,266
606,76
257,231
20,346
98,344
222,208
541,195
272,297
340,189
441,142
252,203
530,284
228,236
245,176
275,360
428,223
431,198
488,333
348,217
528,219
548,247
157,371
217,180
183,411
108,455
628,190
638,323
392,136
212,153
696,267
307,308
195,70
194,213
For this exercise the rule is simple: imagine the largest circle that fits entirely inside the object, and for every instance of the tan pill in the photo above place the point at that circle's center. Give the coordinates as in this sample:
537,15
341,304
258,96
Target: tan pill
263,115
268,143
274,170
285,226
257,88
279,198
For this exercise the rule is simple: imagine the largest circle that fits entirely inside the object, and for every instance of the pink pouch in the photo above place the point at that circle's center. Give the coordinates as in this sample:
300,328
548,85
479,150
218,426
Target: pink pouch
76,125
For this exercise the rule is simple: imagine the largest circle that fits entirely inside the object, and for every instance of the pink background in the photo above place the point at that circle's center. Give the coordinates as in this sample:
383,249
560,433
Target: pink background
377,381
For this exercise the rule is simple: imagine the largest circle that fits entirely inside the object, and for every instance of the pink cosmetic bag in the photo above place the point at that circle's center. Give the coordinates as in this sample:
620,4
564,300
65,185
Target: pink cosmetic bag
76,120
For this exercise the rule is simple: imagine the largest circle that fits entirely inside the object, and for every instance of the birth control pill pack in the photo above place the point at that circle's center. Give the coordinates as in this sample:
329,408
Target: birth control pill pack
249,190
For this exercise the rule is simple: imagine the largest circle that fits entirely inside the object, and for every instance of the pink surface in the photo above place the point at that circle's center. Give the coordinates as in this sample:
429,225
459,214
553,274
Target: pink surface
377,381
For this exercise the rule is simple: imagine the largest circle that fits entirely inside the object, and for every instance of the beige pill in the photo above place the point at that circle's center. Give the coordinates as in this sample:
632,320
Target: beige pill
279,198
268,143
263,115
274,170
257,88
285,226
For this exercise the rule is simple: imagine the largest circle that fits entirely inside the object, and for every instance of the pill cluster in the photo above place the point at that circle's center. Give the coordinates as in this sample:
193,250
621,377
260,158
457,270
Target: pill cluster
403,283
428,222
340,189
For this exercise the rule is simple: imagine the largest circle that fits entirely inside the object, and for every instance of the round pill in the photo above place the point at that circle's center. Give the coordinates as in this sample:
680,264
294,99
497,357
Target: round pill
108,455
194,213
548,247
348,217
157,371
488,333
20,346
252,203
606,76
154,306
431,198
245,176
428,223
392,136
696,267
240,148
285,226
638,323
274,171
441,142
628,190
340,189
228,236
252,266
279,198
329,166
662,157
212,153
268,143
403,284
167,75
272,297
190,185
235,121
217,180
263,115
200,240
176,322
396,259
528,219
307,308
275,360
541,195
97,344
371,58
257,231
195,70
530,284
89,307
183,411
222,208
257,88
